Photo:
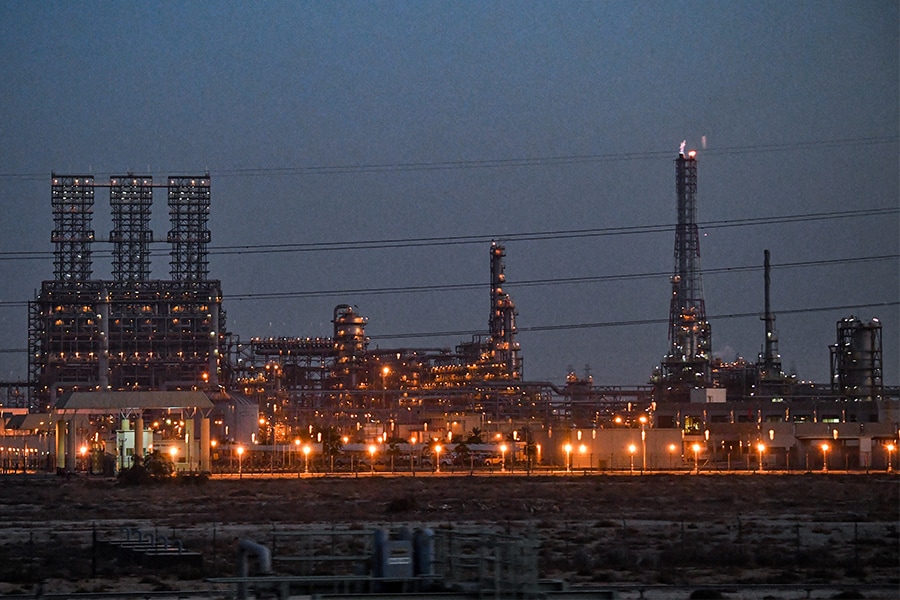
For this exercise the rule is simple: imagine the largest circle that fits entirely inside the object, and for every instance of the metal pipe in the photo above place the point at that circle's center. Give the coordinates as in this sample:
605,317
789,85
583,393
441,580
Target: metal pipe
263,557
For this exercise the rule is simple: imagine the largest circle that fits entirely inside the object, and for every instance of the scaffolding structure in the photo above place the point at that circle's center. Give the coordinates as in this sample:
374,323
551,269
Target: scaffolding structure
130,198
189,199
72,200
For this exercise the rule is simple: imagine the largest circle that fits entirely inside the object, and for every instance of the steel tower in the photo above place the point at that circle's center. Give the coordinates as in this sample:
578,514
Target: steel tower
687,364
769,363
130,198
189,212
72,200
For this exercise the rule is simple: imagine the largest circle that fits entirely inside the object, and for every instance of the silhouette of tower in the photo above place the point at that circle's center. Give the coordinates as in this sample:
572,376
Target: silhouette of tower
130,198
72,199
502,324
687,364
769,362
189,213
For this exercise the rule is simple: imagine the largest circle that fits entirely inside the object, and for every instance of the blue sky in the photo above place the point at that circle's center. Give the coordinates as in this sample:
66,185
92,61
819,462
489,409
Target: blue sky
521,116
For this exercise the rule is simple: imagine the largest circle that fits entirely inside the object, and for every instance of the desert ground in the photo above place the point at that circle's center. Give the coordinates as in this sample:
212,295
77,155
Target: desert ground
589,530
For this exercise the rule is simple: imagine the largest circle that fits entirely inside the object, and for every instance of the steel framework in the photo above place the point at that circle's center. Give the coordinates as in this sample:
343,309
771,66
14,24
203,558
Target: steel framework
72,200
189,199
687,363
130,197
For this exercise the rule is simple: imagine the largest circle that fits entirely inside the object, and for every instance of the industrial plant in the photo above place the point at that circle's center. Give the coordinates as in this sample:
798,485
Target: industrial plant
124,365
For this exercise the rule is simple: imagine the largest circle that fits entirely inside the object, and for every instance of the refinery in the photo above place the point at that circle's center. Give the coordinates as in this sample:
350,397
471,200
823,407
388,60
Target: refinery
126,365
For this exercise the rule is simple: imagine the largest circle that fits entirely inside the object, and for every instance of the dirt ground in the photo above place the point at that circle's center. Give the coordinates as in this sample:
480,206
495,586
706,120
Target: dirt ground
597,529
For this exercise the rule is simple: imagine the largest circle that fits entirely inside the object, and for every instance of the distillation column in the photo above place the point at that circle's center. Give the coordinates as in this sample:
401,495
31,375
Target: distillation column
502,323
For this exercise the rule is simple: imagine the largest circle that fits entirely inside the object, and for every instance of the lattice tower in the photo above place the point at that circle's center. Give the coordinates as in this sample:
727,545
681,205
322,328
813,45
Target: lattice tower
130,198
72,200
189,199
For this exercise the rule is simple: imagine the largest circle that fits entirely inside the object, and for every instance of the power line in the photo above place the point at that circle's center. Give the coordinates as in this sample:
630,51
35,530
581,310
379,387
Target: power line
523,284
507,237
629,323
541,161
542,282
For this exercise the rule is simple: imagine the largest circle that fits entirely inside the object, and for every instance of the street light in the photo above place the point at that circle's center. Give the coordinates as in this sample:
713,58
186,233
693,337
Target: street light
83,450
372,449
174,452
240,452
385,371
306,450
889,448
437,452
761,448
583,450
502,457
643,419
631,450
696,449
672,449
824,458
568,448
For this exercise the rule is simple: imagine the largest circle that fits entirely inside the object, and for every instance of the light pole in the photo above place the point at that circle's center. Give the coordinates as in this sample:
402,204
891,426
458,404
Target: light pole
824,458
412,456
761,448
568,448
502,457
437,452
631,450
890,465
696,449
372,449
306,450
643,420
385,371
582,449
174,452
240,452
672,449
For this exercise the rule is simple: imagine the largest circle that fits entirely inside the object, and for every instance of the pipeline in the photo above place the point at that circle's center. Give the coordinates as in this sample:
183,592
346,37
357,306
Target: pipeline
263,557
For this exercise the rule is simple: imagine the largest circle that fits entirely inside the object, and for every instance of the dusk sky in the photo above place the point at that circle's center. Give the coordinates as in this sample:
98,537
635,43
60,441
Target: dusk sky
428,129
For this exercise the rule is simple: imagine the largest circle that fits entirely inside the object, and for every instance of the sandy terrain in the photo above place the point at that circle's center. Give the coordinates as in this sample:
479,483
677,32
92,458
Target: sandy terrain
598,530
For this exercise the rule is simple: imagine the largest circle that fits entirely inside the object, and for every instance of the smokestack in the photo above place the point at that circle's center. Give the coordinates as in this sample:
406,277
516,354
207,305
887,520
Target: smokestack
770,362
